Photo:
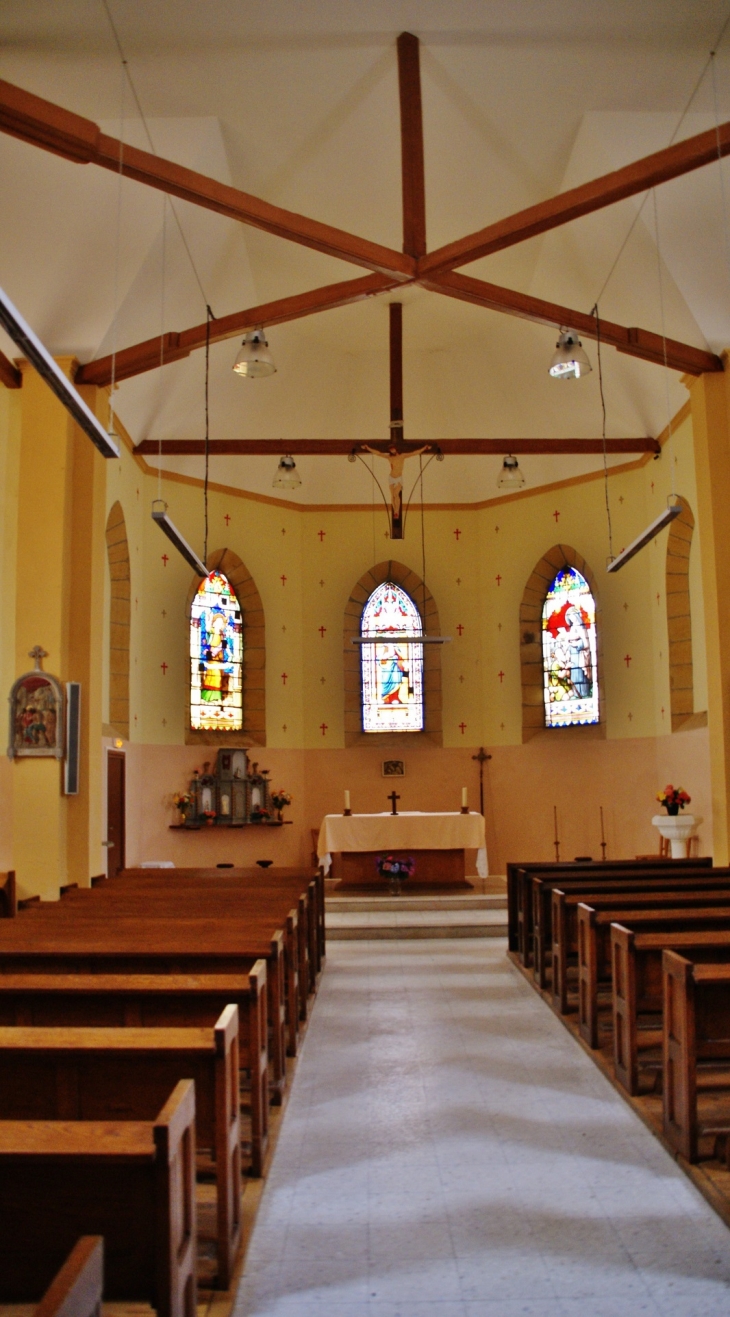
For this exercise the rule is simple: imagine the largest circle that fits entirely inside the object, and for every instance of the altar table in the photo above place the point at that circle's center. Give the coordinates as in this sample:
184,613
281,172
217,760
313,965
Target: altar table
436,841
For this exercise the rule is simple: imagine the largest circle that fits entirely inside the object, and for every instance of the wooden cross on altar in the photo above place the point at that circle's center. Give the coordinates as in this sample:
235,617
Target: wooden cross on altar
481,759
393,798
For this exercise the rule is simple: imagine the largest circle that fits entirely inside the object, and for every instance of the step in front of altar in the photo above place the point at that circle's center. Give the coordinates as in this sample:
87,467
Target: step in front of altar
395,917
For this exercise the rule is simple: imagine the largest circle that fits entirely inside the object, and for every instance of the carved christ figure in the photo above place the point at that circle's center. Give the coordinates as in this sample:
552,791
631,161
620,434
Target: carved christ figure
395,479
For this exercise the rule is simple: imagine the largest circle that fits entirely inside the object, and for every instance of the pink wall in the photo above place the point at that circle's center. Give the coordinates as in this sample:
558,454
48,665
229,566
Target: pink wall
522,783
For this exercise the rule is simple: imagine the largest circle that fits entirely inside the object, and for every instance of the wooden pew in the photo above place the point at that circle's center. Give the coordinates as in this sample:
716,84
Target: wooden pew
519,889
641,895
131,1182
162,1001
94,1074
77,1289
636,963
696,1030
8,895
594,944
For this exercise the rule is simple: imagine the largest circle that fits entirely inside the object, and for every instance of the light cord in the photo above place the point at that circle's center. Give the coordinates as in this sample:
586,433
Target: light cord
594,312
162,336
726,240
117,244
672,481
208,315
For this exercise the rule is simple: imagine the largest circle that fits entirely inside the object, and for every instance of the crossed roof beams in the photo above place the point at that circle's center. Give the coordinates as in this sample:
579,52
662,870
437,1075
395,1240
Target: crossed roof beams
40,122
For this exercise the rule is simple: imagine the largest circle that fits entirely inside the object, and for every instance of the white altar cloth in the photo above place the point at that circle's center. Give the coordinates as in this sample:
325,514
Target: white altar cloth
408,830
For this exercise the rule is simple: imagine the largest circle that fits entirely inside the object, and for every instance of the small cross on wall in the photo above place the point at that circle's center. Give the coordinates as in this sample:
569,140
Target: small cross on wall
462,728
460,629
321,630
627,659
323,728
457,533
321,534
164,667
500,674
498,579
556,515
283,579
227,518
165,559
284,677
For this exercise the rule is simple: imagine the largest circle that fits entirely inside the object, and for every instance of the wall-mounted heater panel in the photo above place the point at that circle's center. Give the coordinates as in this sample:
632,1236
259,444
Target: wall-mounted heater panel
73,738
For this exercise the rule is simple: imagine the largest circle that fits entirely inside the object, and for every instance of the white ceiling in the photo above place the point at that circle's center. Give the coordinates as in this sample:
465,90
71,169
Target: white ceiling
299,105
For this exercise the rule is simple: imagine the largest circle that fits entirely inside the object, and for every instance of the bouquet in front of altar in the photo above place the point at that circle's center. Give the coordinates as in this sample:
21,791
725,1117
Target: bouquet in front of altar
389,866
673,799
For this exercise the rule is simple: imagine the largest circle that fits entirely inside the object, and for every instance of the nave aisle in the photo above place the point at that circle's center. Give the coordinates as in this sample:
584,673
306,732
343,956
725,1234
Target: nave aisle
448,1151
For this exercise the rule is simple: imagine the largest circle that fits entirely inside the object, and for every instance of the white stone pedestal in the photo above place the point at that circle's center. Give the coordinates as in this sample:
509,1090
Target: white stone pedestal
676,828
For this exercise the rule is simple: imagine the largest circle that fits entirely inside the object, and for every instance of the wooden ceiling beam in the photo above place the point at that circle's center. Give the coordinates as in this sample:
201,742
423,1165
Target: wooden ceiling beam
672,162
40,122
411,145
173,346
10,376
634,342
341,447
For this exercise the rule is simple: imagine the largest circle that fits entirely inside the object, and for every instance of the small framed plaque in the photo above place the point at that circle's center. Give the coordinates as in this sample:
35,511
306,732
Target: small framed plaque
394,768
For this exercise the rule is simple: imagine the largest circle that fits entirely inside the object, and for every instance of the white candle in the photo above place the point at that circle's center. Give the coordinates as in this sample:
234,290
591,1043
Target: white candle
463,798
347,800
225,805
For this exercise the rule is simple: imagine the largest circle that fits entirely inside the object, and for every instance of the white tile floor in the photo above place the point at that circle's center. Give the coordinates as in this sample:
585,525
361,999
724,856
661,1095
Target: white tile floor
449,1151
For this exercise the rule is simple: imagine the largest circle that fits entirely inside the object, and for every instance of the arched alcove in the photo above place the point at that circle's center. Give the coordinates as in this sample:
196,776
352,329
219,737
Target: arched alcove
254,653
414,587
679,617
117,550
555,560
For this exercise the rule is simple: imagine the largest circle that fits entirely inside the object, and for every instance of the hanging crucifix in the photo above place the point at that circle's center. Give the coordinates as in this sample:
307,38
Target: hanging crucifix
481,759
396,453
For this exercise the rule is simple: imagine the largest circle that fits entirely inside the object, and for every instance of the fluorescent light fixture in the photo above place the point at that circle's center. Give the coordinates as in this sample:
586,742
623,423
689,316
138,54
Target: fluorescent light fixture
159,514
287,476
510,476
254,359
39,357
569,361
658,524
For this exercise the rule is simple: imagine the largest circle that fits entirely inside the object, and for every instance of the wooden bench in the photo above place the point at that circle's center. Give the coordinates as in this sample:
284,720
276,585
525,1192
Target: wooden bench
161,1001
94,1074
131,1182
519,888
637,990
594,945
77,1289
651,895
696,1050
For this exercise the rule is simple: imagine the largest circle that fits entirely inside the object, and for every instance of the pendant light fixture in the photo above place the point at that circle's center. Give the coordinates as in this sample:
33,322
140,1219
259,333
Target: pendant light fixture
254,359
510,476
569,360
287,476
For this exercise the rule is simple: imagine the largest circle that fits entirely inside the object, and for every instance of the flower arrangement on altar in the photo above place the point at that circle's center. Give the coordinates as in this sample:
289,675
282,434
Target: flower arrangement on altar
673,798
391,867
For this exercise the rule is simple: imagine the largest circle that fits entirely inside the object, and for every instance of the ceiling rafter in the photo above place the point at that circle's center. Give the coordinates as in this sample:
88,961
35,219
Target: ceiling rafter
173,346
341,447
411,136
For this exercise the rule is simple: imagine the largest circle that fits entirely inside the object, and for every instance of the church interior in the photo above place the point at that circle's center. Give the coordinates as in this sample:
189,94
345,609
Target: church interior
363,415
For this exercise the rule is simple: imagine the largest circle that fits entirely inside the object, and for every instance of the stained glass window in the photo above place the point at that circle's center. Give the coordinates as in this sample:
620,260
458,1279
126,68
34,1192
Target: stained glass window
569,651
392,671
216,652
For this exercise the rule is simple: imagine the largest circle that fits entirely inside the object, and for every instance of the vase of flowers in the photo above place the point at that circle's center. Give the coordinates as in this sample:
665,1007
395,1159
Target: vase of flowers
673,826
280,799
396,869
182,800
673,799
259,814
210,816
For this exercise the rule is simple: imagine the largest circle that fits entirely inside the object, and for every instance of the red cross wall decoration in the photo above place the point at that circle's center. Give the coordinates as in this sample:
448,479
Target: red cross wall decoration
323,728
462,728
321,630
227,519
164,667
284,676
500,674
460,629
321,534
457,533
165,559
627,659
283,579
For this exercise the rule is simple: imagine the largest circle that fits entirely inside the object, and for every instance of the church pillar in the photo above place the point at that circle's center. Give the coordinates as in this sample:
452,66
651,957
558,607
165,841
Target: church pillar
60,544
710,396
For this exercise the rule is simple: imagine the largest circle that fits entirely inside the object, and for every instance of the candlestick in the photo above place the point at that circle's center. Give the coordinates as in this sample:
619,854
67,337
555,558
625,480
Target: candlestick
603,836
347,809
464,801
556,843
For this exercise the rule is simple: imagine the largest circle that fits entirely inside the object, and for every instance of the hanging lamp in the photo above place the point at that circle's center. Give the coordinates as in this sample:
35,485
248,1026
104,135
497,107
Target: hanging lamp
254,359
287,476
569,360
510,476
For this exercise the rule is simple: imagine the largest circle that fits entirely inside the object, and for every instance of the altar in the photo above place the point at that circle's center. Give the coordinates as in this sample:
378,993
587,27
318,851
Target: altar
350,846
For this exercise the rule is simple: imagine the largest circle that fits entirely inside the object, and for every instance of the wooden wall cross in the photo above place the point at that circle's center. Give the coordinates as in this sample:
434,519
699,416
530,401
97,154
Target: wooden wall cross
393,797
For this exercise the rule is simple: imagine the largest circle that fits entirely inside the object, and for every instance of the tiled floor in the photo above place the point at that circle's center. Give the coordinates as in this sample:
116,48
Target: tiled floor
448,1151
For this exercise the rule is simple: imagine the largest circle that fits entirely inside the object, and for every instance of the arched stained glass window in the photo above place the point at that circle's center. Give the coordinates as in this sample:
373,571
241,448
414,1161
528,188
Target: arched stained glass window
570,670
392,669
216,653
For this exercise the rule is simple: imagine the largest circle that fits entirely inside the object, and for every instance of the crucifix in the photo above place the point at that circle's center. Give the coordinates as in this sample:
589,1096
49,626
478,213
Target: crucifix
393,798
481,759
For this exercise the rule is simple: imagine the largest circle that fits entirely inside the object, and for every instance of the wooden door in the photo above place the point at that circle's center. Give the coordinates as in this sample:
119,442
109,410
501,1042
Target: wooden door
115,813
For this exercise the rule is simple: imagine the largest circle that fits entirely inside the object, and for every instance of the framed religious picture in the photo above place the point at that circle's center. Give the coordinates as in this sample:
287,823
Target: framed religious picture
36,713
394,768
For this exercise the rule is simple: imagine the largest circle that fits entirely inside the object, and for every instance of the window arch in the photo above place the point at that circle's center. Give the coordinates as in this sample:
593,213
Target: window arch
391,671
559,558
216,657
569,652
420,596
244,598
